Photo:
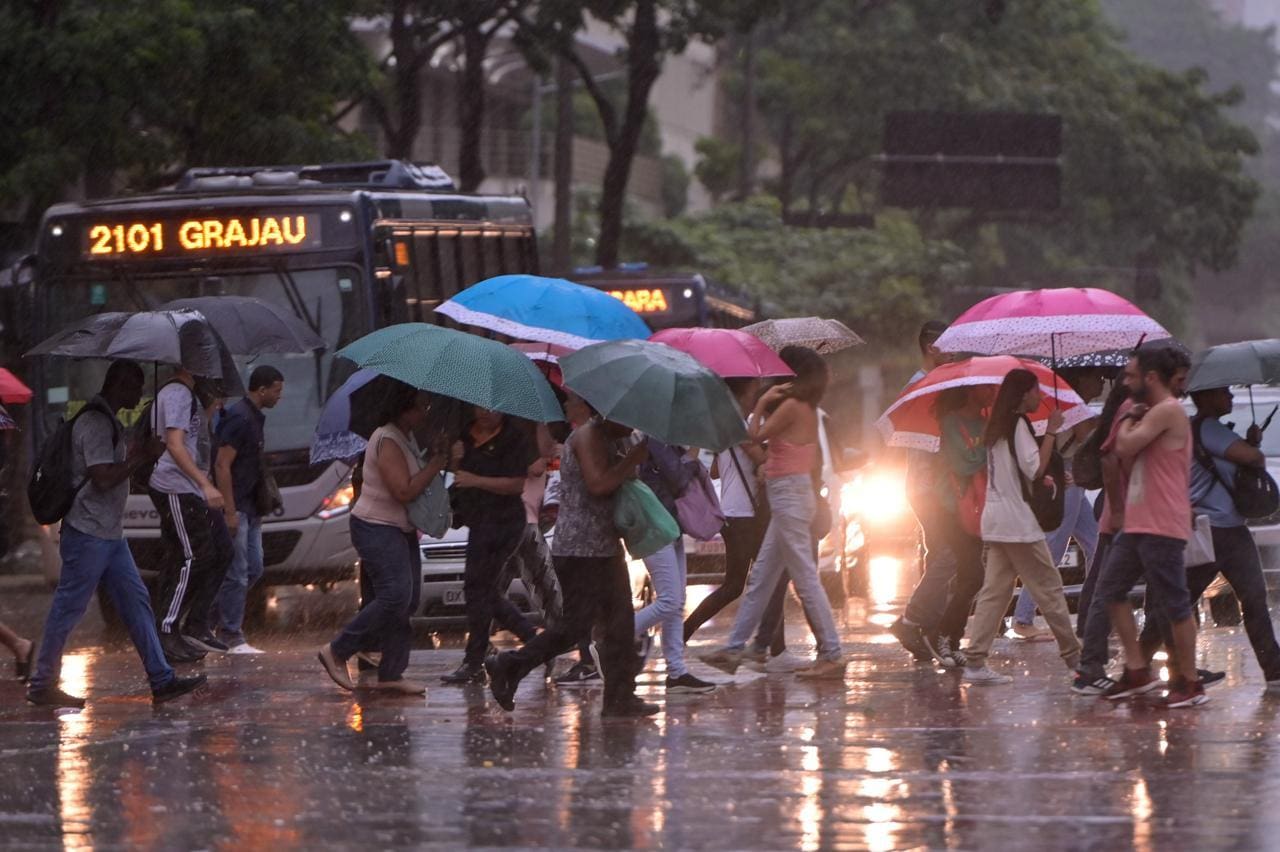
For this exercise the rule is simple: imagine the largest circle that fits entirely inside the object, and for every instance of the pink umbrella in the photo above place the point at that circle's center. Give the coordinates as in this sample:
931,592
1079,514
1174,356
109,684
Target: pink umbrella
728,352
1050,324
12,390
912,423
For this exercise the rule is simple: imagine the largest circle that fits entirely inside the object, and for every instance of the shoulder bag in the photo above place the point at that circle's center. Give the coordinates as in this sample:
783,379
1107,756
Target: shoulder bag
1046,498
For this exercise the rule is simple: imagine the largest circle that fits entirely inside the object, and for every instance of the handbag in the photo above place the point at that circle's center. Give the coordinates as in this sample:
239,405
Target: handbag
266,494
698,508
644,523
1200,546
430,512
1047,501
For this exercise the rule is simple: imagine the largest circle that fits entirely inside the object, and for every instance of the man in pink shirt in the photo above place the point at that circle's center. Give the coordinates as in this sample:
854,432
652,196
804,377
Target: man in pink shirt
1155,437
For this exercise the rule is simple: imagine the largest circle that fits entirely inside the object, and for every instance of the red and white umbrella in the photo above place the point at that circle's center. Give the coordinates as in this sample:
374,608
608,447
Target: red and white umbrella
1050,324
912,423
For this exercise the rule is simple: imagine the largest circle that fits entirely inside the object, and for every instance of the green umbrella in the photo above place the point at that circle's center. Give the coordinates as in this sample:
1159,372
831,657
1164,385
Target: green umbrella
462,366
657,389
1249,362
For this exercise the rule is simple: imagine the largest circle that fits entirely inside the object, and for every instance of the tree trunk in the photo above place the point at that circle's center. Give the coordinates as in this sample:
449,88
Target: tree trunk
787,175
471,106
746,109
402,121
562,244
643,66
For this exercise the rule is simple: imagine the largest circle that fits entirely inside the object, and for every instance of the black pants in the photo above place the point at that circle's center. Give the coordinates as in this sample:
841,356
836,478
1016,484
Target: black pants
597,591
489,547
965,586
200,621
190,574
742,538
1236,558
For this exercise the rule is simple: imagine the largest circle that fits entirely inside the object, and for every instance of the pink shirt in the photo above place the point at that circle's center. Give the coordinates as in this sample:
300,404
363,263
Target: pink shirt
1159,501
787,459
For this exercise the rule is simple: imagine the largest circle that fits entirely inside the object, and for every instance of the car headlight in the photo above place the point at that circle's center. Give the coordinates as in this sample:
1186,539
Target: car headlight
877,498
337,503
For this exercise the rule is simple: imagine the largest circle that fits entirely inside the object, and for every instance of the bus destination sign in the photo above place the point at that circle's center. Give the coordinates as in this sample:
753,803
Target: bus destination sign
644,300
148,237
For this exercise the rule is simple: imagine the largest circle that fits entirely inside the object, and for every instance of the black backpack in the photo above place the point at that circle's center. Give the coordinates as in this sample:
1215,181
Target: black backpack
1048,503
52,489
143,431
1253,492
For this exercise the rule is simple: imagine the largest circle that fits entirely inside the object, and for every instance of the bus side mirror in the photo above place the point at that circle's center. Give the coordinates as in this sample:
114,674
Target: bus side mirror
17,304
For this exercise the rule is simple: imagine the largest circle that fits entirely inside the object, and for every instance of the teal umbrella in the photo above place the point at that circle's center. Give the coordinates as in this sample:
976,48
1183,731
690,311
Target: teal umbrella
458,365
1249,362
657,389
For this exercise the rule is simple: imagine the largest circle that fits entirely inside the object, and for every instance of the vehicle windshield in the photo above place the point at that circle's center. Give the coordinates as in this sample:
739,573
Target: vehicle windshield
326,298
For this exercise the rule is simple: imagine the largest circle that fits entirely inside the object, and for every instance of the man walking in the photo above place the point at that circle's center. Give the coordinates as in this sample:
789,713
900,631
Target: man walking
239,475
1156,435
1218,452
183,496
93,548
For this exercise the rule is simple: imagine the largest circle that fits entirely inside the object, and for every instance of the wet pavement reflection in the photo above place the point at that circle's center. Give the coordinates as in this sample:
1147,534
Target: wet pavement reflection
272,755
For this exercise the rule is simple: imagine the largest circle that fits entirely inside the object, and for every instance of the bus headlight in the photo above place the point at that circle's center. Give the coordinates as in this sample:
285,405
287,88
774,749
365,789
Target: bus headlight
339,502
877,498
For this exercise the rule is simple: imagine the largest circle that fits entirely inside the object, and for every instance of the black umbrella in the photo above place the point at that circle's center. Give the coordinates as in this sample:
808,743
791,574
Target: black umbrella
252,326
180,338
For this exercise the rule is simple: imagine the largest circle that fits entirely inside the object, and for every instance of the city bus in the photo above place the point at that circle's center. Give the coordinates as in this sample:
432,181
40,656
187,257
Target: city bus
347,247
677,300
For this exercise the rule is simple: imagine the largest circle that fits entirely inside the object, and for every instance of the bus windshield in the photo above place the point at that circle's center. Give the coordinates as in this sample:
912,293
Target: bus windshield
326,298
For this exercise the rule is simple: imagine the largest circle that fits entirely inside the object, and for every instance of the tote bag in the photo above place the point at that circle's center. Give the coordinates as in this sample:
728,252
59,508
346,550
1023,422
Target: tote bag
698,508
645,524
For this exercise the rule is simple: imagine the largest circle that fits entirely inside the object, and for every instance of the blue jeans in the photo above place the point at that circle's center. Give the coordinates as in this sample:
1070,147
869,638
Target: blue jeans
246,569
390,558
86,562
1079,523
787,547
668,570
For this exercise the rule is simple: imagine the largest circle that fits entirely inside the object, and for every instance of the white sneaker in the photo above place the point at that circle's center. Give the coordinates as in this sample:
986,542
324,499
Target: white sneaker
244,648
985,677
785,663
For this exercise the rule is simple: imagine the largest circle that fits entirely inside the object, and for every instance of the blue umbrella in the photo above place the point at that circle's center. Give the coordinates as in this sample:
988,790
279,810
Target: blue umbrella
335,436
548,310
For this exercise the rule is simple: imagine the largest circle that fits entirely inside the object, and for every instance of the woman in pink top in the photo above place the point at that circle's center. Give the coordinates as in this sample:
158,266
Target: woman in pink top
394,476
786,419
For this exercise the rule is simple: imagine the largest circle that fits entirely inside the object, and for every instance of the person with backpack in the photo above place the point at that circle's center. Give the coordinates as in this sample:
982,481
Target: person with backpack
1078,521
1014,539
241,475
92,544
183,496
1218,452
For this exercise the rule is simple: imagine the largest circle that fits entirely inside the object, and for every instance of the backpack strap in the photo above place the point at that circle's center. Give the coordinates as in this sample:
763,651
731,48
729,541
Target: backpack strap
1205,459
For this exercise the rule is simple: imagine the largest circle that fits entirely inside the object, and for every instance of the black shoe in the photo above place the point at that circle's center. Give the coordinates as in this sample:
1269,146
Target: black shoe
177,688
22,666
466,673
630,707
687,684
52,696
207,642
178,651
1208,678
912,638
502,683
582,674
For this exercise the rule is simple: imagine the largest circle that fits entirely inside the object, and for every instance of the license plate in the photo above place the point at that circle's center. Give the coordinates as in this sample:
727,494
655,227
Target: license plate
454,597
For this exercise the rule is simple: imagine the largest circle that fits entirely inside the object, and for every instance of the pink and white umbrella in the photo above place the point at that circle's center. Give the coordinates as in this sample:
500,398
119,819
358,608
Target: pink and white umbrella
911,421
1059,323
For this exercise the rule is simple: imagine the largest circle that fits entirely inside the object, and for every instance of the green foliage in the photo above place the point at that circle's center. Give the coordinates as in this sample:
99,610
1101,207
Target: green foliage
127,93
882,282
675,185
717,168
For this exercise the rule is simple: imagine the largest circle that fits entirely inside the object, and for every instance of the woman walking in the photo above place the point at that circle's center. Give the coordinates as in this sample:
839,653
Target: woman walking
393,477
786,421
1015,543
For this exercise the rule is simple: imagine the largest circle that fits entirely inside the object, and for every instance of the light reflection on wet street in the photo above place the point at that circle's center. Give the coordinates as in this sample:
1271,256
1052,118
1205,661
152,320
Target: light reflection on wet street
272,755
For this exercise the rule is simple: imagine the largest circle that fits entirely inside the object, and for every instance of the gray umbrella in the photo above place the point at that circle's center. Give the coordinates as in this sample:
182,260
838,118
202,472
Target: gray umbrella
252,326
1249,362
180,338
823,336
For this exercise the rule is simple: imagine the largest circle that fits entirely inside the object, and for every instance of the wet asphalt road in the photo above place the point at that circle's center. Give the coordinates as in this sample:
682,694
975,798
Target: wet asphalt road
272,755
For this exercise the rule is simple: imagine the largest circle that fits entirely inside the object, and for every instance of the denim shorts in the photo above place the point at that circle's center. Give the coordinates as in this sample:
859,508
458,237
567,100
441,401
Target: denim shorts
1158,558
